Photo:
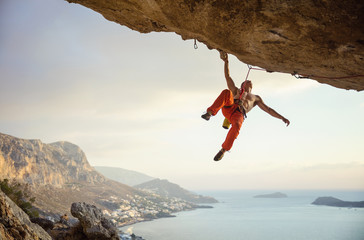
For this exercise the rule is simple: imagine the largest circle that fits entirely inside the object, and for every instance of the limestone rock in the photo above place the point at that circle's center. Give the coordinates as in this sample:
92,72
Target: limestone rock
65,232
37,163
94,224
16,225
57,174
44,223
322,39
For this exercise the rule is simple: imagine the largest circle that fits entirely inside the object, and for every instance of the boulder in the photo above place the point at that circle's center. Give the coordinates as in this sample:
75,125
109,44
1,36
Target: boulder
94,224
62,231
44,223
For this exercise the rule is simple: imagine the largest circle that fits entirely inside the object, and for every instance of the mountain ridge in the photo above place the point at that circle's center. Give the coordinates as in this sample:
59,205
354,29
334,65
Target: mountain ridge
128,177
167,189
34,162
153,185
57,174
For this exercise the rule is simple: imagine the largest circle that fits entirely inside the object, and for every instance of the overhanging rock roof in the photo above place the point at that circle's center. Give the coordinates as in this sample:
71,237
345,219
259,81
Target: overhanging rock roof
322,39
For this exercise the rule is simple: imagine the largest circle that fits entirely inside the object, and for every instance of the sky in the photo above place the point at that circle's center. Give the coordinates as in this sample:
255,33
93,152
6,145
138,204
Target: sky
134,101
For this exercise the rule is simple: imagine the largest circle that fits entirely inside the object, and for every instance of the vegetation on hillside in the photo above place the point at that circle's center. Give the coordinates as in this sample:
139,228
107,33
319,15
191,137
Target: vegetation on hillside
19,194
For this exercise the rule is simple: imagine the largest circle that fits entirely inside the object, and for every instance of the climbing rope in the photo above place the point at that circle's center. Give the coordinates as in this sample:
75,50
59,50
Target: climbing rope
247,75
302,76
250,68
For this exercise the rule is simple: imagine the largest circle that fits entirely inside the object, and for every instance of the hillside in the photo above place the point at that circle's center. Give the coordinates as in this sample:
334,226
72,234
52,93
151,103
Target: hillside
58,175
171,190
124,176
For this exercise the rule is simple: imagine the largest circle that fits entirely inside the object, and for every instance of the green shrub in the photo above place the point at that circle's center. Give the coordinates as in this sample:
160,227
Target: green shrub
20,196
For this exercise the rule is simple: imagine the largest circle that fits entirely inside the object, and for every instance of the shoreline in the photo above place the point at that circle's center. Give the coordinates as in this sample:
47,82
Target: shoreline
170,216
145,220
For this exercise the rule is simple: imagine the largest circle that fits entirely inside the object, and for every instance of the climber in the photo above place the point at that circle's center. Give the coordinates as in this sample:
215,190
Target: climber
235,103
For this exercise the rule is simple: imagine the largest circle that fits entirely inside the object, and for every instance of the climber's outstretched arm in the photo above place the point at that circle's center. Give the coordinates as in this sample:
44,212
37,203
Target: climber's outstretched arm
229,80
271,111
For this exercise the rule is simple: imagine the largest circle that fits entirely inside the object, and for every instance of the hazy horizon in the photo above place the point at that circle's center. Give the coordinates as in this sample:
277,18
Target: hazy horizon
241,189
134,101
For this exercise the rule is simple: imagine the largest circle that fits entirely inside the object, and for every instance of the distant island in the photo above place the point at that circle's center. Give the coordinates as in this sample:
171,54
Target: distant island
272,195
334,202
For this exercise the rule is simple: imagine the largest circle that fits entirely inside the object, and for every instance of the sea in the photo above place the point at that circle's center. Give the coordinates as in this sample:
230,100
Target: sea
240,216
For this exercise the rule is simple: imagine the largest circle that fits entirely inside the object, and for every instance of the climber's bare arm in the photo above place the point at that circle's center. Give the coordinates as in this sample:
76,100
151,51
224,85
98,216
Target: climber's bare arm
271,111
229,80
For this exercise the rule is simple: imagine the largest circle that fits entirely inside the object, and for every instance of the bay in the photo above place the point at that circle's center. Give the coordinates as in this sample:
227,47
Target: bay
239,215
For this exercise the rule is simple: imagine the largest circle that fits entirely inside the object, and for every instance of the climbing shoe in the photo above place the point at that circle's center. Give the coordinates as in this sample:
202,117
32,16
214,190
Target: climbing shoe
219,156
206,116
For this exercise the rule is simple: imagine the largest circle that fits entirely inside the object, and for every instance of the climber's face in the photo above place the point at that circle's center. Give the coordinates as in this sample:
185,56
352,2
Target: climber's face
247,85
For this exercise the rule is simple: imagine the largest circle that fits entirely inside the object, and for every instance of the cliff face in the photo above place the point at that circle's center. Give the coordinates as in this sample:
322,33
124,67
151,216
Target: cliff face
15,224
58,174
321,39
34,162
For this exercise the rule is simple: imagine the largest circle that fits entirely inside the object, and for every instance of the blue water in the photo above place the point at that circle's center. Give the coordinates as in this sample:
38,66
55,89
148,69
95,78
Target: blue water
240,216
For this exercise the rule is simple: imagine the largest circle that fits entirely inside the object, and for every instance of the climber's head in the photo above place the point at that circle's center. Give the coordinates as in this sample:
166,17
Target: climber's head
247,85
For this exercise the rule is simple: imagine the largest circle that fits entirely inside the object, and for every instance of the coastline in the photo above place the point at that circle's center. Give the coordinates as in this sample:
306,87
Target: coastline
146,220
126,236
135,221
268,215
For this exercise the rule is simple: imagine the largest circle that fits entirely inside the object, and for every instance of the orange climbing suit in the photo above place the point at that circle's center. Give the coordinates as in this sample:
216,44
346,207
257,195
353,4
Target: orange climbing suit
231,111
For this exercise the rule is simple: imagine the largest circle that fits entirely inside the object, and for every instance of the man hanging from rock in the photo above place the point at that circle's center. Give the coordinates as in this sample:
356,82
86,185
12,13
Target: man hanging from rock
235,104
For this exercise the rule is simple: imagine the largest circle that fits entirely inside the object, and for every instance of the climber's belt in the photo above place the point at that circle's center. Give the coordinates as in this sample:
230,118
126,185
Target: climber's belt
238,108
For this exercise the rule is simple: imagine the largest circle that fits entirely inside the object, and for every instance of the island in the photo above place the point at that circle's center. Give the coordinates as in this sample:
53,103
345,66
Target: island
272,195
334,202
